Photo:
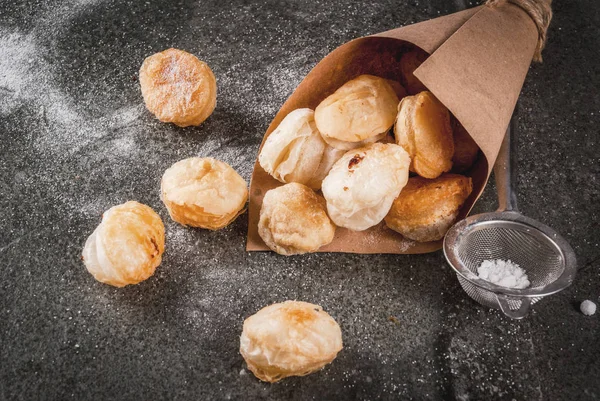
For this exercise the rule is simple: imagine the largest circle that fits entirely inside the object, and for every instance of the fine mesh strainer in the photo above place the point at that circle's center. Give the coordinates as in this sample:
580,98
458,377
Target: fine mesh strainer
547,258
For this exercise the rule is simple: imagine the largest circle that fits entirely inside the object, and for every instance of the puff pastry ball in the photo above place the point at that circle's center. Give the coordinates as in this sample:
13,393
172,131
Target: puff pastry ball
426,209
127,246
203,192
360,112
178,88
296,152
291,338
465,149
423,129
362,185
293,220
409,62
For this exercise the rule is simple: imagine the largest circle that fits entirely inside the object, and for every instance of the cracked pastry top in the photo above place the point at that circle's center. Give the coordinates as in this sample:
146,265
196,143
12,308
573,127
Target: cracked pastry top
203,192
291,338
178,88
360,112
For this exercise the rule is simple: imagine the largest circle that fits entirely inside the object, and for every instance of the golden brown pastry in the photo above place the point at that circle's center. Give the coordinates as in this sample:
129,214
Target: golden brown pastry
408,64
203,192
426,209
178,88
360,112
296,152
127,245
362,185
291,338
465,149
293,220
423,130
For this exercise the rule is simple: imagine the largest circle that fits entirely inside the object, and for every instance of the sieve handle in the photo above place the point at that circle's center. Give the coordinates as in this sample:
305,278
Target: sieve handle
514,314
505,169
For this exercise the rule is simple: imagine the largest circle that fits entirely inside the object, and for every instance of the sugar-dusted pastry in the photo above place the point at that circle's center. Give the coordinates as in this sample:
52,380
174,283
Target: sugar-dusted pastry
203,192
178,88
291,338
409,62
362,185
293,220
127,245
426,209
360,112
296,152
423,129
465,149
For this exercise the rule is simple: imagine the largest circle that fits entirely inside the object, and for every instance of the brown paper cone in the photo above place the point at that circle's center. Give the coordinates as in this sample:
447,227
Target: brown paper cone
476,68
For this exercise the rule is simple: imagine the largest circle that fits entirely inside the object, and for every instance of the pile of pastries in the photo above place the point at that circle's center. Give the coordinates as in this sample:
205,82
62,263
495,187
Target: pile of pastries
343,148
340,168
128,244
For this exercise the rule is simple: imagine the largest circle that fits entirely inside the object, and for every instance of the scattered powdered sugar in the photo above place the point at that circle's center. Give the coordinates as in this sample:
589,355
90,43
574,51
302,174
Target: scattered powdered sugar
404,244
504,273
371,239
26,79
17,63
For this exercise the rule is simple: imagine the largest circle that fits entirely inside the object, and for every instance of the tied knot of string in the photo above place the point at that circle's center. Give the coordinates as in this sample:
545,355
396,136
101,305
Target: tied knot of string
540,12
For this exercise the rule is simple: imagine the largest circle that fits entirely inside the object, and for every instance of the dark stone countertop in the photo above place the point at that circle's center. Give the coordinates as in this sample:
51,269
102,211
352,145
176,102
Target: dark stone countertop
76,140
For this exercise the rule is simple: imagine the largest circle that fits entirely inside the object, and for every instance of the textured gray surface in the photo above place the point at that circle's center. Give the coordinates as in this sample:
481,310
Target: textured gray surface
76,140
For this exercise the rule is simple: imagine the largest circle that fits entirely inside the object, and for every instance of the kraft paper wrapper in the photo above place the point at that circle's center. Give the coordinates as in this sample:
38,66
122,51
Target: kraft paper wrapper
476,68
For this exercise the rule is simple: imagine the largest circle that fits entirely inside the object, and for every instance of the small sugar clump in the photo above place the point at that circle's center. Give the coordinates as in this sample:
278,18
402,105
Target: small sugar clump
504,273
588,308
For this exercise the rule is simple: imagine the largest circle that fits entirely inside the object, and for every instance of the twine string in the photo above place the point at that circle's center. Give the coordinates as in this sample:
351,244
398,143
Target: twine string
540,12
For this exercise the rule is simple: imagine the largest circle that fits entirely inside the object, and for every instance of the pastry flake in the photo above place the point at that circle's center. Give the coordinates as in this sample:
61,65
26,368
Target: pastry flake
203,192
178,88
362,185
360,112
293,220
127,245
291,338
426,209
423,129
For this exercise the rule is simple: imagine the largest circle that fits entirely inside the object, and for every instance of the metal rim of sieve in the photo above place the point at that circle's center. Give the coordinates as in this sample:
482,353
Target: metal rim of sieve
519,222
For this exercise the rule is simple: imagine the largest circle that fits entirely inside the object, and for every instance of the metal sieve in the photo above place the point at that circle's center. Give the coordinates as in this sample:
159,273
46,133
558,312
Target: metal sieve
546,257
